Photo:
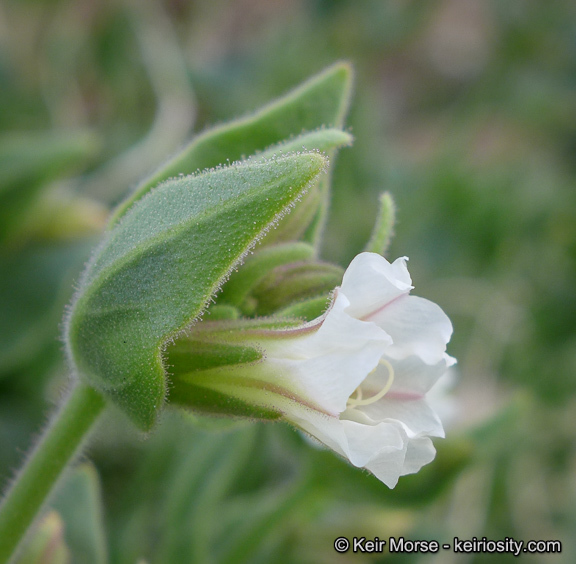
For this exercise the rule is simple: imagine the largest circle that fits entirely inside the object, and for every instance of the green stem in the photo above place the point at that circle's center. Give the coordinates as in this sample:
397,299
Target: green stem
57,447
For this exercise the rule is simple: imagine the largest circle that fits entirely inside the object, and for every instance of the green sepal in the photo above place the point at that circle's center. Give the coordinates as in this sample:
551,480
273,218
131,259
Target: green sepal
217,368
257,266
209,353
317,223
307,310
383,226
289,284
220,312
189,355
211,402
321,101
157,269
235,331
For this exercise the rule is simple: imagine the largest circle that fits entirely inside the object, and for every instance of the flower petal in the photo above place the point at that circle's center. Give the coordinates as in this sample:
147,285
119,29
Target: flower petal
416,416
359,443
327,366
419,452
384,449
371,282
413,378
417,327
363,443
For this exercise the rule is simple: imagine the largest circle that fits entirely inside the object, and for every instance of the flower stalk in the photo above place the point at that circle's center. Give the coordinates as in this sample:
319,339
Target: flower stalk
45,465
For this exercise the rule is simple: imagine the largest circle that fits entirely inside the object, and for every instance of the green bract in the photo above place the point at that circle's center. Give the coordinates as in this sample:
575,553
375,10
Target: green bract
161,263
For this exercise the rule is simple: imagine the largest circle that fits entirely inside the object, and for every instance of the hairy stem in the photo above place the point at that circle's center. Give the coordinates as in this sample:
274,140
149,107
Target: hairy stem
60,441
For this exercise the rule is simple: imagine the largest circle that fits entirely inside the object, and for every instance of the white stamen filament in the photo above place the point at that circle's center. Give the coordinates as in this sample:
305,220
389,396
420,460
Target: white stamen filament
356,401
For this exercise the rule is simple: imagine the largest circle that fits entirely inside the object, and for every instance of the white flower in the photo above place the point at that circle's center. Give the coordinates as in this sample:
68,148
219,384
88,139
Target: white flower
385,425
356,378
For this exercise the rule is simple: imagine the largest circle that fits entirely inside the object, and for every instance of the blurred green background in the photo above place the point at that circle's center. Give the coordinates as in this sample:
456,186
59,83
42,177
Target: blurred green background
464,109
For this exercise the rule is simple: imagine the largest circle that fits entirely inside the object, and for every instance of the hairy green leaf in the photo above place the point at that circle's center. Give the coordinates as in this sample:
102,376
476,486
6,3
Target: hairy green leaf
160,265
321,101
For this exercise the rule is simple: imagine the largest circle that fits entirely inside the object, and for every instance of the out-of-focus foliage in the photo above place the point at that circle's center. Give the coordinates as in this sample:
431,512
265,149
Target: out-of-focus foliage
464,110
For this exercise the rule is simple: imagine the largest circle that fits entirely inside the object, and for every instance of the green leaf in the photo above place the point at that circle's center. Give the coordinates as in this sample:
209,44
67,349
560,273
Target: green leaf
200,482
323,139
249,533
157,269
321,101
80,506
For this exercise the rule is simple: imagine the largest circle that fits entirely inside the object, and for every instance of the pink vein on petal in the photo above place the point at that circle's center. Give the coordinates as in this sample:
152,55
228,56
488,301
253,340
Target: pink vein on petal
382,308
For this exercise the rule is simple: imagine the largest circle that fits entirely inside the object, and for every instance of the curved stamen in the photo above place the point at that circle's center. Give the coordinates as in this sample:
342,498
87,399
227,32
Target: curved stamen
357,400
358,392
